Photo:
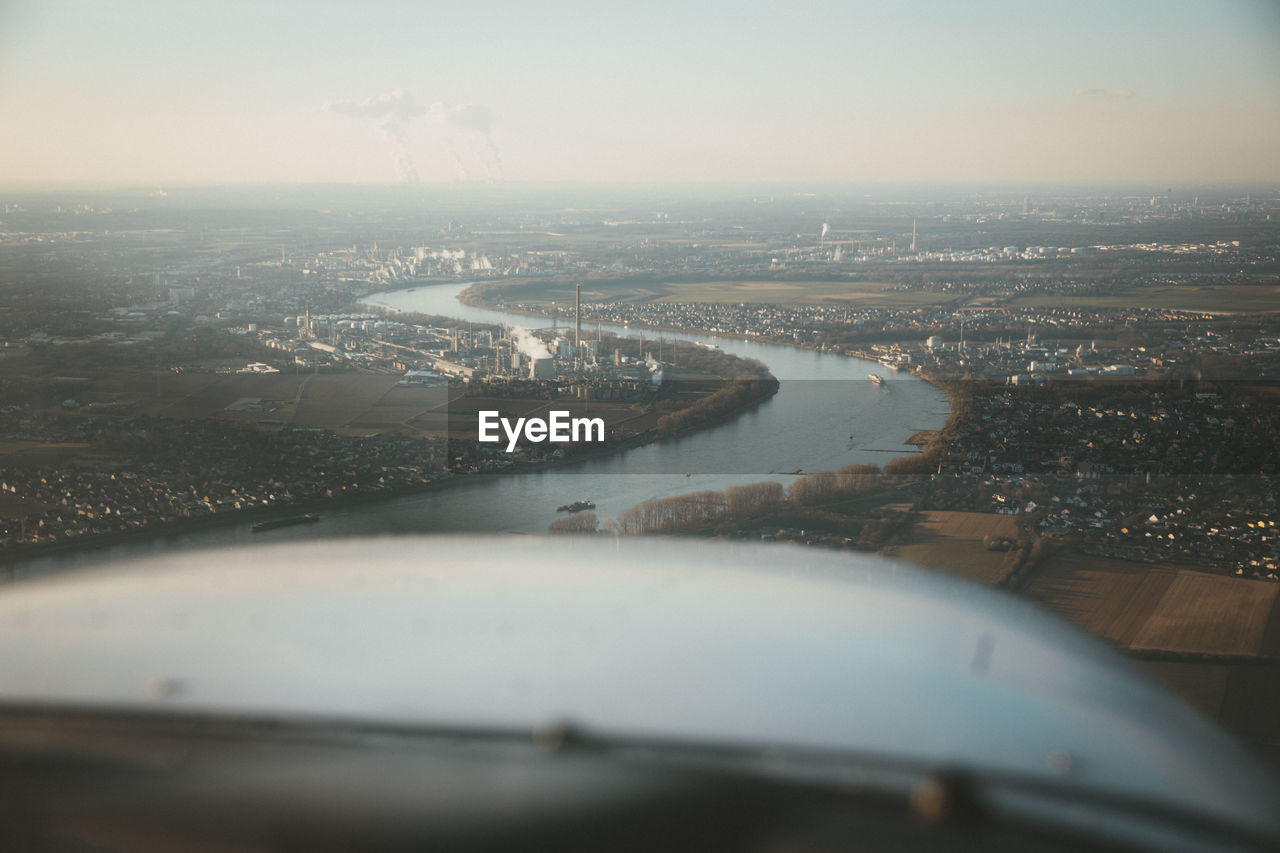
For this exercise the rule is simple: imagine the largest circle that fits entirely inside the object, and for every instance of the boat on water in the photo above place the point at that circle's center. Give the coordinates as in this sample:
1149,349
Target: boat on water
576,506
876,379
275,523
706,345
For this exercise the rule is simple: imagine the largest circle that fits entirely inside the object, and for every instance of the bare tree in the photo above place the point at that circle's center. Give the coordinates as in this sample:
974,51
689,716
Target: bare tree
578,523
813,488
753,499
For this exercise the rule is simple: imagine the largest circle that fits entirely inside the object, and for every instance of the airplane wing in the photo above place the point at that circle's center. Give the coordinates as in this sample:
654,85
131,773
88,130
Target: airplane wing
480,690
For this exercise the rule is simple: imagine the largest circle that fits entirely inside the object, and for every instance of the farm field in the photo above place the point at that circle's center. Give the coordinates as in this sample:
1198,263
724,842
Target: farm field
962,558
1228,298
1096,593
968,525
1209,614
353,403
951,542
1153,608
877,294
358,403
1156,612
860,293
1201,685
787,292
339,401
7,447
17,455
1243,698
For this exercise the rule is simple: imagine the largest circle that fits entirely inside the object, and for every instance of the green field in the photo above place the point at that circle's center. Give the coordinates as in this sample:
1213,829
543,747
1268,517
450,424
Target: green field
875,294
1231,298
853,293
880,294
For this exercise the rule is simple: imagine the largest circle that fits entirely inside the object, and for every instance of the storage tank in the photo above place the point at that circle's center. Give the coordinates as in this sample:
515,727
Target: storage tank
542,368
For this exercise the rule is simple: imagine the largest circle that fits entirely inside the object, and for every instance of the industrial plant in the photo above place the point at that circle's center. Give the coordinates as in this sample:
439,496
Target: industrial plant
599,366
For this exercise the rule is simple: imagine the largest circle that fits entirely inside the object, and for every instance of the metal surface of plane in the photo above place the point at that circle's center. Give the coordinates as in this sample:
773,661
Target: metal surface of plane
384,692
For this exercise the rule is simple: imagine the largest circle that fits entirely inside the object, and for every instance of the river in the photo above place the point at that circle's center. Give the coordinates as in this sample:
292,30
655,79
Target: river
825,415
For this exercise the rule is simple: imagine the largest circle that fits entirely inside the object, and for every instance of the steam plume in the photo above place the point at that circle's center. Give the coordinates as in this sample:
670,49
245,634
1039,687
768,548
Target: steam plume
473,123
528,344
466,130
393,112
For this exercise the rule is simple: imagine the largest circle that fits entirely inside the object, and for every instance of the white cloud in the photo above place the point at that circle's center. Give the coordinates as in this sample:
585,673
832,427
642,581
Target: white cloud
395,107
466,130
465,116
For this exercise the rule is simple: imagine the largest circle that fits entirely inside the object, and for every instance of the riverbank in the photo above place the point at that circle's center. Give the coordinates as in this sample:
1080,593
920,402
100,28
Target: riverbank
13,557
806,427
470,296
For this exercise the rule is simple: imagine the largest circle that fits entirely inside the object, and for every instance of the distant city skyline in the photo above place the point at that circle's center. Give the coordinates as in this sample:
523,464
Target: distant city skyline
387,92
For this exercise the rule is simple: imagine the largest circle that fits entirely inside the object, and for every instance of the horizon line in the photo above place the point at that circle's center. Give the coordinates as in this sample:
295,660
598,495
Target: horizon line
29,185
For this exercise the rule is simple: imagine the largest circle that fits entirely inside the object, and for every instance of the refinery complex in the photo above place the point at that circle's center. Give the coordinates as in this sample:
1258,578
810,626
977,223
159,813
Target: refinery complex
427,354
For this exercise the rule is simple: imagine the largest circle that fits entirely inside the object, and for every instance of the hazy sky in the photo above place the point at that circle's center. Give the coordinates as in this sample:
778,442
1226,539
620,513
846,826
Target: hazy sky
252,92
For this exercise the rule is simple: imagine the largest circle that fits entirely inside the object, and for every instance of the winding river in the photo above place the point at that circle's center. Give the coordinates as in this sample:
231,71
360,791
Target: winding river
825,415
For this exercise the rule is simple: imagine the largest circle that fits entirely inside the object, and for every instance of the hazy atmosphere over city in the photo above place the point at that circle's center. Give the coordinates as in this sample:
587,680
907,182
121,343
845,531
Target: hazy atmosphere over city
381,92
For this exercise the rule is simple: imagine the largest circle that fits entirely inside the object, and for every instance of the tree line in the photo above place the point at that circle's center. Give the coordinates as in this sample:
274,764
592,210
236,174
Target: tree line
709,507
724,403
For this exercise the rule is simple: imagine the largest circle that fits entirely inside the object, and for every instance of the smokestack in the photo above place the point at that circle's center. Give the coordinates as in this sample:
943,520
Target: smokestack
913,235
577,316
